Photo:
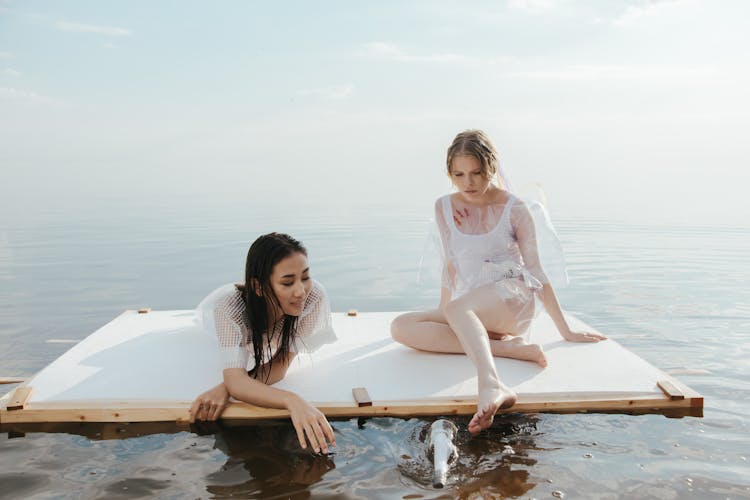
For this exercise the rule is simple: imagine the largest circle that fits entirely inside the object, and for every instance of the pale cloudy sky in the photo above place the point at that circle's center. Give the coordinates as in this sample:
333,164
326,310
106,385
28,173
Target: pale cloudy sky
628,110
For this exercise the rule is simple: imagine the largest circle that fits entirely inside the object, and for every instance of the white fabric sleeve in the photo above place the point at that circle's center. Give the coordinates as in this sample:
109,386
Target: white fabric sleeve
448,274
523,226
221,314
314,327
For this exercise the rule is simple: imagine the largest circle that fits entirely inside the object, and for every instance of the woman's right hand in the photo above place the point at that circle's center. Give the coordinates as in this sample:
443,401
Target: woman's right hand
210,404
310,424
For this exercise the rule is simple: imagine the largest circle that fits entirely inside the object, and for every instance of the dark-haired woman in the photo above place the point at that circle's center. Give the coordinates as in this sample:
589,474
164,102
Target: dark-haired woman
261,325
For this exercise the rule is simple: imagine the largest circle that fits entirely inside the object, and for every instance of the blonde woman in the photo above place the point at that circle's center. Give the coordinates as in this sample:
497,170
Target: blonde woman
493,281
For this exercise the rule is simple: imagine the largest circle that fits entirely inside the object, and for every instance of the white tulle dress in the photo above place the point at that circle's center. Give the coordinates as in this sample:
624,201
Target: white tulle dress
496,245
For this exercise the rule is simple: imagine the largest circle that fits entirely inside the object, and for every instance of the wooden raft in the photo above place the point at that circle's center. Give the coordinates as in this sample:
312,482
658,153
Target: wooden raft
148,366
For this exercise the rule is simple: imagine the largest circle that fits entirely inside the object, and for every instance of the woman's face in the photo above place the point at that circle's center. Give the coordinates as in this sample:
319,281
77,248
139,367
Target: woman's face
290,281
466,175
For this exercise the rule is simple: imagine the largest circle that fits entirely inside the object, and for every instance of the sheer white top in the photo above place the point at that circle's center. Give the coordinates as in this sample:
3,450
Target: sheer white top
222,313
489,244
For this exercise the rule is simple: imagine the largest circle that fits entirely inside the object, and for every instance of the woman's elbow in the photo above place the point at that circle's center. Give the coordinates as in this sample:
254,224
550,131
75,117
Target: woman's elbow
233,382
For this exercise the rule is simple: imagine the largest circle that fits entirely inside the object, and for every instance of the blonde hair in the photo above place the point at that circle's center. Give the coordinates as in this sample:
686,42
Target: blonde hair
475,143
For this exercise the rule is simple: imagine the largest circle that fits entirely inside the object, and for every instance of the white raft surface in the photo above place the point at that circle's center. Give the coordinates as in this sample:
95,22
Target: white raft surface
148,367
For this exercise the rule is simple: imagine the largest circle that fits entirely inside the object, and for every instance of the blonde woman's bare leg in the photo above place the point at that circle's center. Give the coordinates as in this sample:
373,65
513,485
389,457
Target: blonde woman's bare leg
470,316
425,331
429,331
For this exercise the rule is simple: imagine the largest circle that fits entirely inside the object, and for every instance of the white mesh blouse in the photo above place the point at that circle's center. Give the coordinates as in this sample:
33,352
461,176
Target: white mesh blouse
223,312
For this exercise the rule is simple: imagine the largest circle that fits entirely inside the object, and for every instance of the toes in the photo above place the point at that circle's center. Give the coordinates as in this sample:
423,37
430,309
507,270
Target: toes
540,357
475,426
482,420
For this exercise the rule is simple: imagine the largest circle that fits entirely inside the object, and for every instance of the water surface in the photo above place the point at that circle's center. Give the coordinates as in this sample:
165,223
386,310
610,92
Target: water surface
675,295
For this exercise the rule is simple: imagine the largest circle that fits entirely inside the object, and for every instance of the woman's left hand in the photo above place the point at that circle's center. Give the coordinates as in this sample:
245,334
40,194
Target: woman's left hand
210,405
584,337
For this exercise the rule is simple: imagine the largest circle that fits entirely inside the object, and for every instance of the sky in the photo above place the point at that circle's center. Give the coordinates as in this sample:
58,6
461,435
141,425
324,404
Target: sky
623,110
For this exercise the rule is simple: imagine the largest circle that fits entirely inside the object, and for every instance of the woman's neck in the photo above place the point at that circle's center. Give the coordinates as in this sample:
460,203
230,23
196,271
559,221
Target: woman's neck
492,196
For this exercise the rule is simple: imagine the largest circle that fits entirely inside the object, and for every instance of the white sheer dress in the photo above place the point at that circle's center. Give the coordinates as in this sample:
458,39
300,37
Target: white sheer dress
493,245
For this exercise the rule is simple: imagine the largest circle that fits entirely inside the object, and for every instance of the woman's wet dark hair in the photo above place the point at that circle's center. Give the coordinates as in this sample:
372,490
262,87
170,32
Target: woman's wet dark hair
265,252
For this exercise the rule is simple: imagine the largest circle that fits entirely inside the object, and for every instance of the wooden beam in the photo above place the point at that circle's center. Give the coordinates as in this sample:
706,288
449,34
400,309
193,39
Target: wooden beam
670,390
361,396
177,411
19,398
11,380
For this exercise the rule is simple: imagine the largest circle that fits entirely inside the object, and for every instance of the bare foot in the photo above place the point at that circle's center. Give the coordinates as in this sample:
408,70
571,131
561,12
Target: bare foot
500,336
517,348
490,401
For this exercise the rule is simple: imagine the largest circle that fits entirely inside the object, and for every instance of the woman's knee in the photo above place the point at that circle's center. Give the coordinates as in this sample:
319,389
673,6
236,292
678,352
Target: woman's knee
400,327
455,308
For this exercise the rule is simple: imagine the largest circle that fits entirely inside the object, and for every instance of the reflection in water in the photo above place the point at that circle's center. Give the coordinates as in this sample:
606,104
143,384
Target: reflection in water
95,430
376,457
265,461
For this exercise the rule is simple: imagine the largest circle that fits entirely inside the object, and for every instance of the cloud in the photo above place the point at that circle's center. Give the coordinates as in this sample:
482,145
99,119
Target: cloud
532,5
619,72
5,54
90,28
334,92
393,52
636,13
10,72
11,94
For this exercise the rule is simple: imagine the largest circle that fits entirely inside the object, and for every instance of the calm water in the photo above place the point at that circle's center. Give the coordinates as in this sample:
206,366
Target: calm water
677,296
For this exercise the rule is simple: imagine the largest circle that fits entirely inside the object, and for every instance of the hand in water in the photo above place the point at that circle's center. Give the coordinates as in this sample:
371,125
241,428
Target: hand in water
311,425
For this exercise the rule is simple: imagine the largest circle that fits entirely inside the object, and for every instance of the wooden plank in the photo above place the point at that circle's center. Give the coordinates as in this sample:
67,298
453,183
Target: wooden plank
670,390
361,396
11,380
155,411
19,398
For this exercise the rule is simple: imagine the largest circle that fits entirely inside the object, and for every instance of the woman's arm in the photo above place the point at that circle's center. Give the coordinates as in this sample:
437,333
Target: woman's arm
309,422
549,298
527,244
270,373
447,276
211,404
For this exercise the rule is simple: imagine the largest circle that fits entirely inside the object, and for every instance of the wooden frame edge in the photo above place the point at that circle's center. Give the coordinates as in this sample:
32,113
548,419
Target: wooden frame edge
177,411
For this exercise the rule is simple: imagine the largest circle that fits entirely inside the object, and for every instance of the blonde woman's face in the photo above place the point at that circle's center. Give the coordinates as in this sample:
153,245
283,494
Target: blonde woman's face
466,175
